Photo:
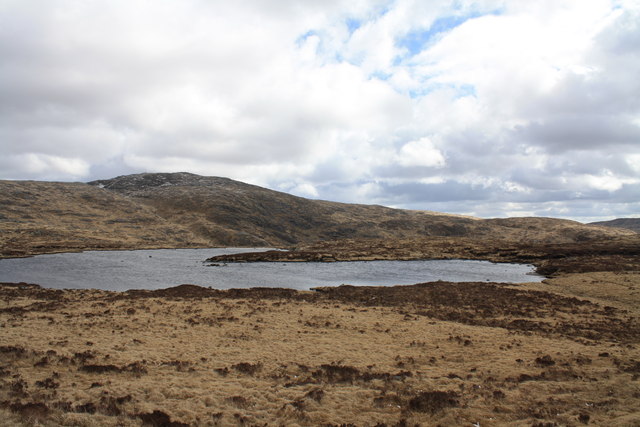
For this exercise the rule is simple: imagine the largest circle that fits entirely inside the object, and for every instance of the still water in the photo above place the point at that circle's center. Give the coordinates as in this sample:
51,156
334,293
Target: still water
155,269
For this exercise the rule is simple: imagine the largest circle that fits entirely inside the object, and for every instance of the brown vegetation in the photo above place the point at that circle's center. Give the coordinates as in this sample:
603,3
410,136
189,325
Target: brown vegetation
632,224
45,217
561,352
185,210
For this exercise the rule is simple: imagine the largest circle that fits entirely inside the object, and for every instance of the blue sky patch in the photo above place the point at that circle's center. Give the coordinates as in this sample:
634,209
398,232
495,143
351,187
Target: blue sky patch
301,39
380,75
462,90
415,41
466,90
353,25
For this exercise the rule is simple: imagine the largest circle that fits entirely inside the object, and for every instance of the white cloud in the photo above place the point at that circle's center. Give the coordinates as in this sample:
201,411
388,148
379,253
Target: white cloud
633,161
421,153
606,181
514,102
304,190
47,166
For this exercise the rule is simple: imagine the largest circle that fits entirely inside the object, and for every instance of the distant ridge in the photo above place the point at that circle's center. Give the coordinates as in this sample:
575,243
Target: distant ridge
632,224
180,210
234,213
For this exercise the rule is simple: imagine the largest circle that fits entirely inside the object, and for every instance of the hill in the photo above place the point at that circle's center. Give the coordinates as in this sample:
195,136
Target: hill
44,217
186,210
234,213
632,224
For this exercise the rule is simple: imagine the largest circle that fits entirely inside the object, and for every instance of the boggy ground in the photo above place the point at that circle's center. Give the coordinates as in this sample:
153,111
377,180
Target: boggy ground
561,352
610,254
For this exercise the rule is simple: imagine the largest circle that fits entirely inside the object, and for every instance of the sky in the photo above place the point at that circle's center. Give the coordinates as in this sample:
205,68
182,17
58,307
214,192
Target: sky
487,108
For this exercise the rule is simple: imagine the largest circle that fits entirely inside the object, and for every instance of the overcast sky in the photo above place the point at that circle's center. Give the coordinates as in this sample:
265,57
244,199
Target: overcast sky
488,108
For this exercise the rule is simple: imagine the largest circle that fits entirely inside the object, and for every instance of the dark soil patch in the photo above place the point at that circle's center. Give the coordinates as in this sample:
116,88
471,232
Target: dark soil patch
193,291
545,361
100,369
316,394
247,368
159,419
433,401
22,289
12,350
31,411
135,368
337,373
112,405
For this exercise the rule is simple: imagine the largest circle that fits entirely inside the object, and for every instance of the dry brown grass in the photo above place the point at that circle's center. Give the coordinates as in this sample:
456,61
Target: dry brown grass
258,357
45,217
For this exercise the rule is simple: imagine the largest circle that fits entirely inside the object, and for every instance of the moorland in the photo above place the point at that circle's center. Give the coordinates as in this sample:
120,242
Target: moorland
561,352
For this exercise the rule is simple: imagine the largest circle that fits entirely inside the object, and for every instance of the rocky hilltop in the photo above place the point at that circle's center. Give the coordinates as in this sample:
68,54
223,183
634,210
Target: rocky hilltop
186,210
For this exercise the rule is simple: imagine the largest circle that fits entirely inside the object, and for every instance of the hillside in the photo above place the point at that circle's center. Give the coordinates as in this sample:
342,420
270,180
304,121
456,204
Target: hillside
233,213
186,210
44,217
632,224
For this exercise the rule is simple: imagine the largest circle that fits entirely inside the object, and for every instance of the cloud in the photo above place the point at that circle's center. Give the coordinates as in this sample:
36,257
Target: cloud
490,107
421,153
46,166
579,132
